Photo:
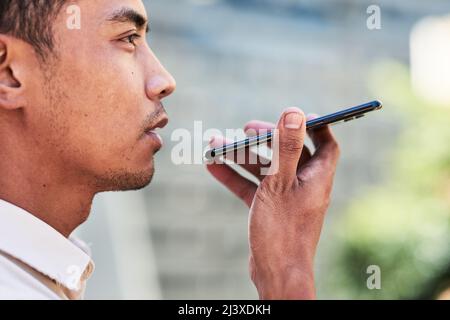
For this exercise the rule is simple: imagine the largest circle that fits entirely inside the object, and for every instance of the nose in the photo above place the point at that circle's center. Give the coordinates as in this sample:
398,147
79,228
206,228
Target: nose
160,86
160,83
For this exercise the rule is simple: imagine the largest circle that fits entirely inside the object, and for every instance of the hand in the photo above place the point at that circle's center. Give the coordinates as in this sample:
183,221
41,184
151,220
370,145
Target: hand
287,209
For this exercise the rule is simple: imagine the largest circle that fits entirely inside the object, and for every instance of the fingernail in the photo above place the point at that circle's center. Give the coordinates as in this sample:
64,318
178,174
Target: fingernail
211,140
251,132
293,120
312,116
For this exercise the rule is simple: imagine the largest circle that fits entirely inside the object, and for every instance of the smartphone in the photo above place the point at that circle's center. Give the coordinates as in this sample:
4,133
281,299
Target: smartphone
334,118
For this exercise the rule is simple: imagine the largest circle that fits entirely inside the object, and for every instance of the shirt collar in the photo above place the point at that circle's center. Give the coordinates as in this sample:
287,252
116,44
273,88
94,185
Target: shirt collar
40,246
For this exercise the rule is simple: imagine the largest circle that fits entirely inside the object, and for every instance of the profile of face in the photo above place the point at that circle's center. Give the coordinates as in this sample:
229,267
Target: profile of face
87,112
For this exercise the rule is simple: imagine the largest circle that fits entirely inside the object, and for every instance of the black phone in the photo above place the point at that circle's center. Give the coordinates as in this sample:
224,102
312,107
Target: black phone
344,115
340,116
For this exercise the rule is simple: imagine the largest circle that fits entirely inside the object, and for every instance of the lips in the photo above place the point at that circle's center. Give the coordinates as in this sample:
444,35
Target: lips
151,131
155,137
159,125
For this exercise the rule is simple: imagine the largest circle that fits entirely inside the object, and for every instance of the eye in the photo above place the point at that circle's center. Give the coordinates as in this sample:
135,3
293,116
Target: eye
131,39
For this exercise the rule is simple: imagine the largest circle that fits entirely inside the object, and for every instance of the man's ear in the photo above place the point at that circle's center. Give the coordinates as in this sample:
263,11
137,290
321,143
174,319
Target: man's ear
11,91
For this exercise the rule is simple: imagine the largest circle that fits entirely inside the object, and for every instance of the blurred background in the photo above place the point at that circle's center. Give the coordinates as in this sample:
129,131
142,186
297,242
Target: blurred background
185,236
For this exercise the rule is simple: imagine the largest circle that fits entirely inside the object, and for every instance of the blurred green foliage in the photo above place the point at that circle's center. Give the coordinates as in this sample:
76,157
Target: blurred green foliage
403,225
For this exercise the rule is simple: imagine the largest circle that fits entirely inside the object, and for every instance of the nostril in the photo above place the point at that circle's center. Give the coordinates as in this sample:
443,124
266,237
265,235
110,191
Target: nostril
166,92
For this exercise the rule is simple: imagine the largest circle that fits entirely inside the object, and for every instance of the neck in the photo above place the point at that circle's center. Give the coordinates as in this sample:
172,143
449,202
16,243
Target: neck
38,186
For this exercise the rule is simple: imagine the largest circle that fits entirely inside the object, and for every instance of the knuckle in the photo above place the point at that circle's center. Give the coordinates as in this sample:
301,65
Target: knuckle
330,154
291,145
306,174
262,197
325,196
275,186
335,148
319,205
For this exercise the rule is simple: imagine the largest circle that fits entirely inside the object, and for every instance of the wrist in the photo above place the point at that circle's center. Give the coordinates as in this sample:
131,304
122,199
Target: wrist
294,284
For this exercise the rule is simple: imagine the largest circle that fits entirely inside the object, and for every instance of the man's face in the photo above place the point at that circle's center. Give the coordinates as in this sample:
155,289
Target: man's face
93,104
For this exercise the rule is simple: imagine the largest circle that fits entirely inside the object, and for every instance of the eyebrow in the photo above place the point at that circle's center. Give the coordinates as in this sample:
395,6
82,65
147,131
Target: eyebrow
129,15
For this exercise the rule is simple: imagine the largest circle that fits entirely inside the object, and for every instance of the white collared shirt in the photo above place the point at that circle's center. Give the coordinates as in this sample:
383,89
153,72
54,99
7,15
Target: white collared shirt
36,261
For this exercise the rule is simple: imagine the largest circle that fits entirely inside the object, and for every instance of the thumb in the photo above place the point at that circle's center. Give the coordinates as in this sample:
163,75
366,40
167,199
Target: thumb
288,143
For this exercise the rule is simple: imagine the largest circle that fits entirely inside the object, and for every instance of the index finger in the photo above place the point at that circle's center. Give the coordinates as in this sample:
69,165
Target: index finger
256,127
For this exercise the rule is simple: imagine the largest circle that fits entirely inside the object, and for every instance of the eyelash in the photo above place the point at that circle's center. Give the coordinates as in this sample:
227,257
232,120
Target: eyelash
131,39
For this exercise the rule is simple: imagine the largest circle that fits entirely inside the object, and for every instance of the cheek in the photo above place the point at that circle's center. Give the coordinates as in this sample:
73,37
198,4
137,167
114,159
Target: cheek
108,129
111,125
104,105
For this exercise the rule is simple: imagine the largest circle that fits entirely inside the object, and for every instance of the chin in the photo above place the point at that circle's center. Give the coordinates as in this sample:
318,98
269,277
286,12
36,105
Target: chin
125,180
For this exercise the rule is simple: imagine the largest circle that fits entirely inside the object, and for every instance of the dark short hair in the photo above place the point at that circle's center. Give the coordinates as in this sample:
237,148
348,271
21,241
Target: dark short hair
31,21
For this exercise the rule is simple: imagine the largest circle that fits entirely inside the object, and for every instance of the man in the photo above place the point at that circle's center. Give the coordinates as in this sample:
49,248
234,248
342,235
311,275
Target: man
78,110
